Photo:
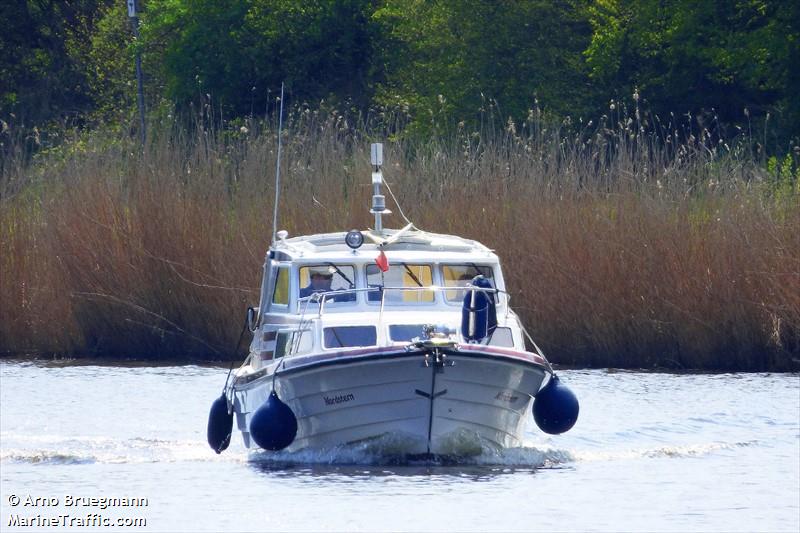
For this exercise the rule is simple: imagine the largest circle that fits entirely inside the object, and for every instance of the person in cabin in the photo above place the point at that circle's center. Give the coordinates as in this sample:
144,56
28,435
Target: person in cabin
321,279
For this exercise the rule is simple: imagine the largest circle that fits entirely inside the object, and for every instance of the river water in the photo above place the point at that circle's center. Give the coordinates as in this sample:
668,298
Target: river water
650,452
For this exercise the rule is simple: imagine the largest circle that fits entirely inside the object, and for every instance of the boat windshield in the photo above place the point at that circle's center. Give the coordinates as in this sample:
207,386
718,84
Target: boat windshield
404,275
328,277
460,275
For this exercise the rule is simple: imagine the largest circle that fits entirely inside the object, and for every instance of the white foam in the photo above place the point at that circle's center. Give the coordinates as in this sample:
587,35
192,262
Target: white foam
50,449
387,450
677,452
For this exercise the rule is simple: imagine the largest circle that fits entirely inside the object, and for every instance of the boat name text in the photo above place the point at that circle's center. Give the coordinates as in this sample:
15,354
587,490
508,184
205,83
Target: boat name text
339,398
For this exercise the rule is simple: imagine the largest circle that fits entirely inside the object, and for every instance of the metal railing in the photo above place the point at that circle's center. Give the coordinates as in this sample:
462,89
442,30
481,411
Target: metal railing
304,326
321,298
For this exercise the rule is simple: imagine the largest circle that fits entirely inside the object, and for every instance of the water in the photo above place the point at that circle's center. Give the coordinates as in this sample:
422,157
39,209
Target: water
650,452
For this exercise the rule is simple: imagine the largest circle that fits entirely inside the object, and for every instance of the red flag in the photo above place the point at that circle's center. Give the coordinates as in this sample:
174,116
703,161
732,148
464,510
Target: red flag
382,261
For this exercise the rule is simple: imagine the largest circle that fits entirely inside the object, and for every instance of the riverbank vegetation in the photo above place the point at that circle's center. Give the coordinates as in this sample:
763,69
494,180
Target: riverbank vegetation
621,248
634,163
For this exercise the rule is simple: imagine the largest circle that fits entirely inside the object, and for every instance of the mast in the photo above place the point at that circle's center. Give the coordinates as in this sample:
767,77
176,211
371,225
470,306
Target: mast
277,173
378,200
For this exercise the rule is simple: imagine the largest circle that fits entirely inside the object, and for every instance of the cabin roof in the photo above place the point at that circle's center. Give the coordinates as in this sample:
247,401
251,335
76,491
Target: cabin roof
413,244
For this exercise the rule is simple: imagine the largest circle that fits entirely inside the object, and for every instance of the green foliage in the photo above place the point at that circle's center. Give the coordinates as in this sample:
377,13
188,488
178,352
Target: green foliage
237,51
784,180
443,64
109,62
41,50
688,56
462,60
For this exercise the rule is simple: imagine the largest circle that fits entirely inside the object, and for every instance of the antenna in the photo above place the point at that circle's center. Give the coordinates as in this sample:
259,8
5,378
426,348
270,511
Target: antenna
378,200
277,172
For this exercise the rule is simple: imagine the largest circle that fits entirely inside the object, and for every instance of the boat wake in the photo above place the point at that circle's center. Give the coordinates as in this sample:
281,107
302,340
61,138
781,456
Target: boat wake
44,457
54,450
387,451
696,450
662,452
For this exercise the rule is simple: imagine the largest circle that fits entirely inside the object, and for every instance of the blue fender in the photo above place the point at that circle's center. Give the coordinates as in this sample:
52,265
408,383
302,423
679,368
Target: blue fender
273,426
220,425
478,312
555,407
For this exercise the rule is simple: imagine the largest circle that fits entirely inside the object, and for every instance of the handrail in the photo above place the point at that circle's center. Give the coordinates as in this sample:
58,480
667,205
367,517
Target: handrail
322,297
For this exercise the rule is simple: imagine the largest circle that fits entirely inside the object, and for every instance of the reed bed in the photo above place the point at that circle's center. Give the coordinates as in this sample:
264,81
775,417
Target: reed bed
621,248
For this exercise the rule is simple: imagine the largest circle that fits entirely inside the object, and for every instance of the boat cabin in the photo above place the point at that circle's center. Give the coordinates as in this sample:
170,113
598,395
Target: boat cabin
321,294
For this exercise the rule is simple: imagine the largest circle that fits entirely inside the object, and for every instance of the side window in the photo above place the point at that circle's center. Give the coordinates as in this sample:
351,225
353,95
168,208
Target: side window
346,336
281,342
292,342
405,332
280,293
502,337
403,275
460,276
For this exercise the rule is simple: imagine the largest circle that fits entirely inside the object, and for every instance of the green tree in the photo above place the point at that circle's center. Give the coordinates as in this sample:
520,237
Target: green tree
108,57
238,50
457,57
688,56
42,42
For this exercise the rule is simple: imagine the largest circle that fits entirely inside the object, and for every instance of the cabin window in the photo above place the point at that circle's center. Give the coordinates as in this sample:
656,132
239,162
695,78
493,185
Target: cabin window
280,292
293,342
328,277
502,337
401,283
406,332
460,276
347,336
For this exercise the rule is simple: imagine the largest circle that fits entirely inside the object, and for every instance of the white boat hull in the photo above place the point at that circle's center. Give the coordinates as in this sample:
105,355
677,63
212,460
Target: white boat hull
472,398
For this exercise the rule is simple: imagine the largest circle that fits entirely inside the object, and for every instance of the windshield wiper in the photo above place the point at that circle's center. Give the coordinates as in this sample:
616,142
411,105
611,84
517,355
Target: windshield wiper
413,277
344,277
479,269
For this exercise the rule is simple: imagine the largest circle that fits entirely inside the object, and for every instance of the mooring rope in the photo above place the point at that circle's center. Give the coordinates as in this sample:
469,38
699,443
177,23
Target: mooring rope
538,350
235,351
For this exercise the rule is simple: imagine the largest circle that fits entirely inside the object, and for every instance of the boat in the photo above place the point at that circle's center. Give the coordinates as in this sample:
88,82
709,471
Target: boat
397,336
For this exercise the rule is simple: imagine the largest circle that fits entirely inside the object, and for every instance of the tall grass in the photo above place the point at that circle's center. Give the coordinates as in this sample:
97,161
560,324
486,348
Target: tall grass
623,246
